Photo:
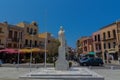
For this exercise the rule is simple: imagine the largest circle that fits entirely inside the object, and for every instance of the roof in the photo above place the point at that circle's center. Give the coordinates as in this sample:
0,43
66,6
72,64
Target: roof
14,26
110,25
44,35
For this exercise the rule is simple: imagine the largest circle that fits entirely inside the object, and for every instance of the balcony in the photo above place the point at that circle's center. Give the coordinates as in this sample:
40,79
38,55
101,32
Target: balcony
107,39
112,50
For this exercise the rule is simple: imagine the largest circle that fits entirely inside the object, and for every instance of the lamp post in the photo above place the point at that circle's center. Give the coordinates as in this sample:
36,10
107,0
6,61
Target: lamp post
45,49
18,55
31,52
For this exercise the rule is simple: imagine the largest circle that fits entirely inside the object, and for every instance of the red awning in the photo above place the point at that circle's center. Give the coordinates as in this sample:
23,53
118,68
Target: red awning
9,51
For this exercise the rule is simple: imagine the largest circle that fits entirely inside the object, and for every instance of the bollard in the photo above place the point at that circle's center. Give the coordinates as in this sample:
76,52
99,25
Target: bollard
112,67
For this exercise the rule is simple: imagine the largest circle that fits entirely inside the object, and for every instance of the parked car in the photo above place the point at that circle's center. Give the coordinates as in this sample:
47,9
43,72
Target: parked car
91,61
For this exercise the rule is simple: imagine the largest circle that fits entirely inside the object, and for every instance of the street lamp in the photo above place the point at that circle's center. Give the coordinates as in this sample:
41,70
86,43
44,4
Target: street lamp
18,55
31,52
45,49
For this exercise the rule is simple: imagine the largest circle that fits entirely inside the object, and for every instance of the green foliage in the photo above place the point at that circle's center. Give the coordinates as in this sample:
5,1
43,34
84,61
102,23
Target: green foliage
52,47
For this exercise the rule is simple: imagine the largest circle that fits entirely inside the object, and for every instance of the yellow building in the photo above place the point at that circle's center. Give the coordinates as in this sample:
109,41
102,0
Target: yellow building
110,42
3,34
106,42
15,37
30,34
45,36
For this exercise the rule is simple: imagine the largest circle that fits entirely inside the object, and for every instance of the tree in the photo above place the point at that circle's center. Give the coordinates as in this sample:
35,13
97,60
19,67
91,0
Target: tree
52,47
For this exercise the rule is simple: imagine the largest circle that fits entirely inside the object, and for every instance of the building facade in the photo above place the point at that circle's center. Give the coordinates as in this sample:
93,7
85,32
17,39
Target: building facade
97,46
84,45
30,38
15,37
110,41
106,43
3,34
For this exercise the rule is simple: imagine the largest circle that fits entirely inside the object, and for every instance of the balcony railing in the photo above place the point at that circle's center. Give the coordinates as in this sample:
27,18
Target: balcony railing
29,46
106,39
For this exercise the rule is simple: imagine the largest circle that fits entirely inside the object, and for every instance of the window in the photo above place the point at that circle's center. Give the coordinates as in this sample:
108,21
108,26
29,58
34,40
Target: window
108,34
99,46
35,43
30,42
21,36
95,38
9,45
104,36
85,42
85,48
15,45
10,33
48,41
0,41
114,34
114,44
31,31
27,29
41,44
0,30
35,32
98,37
26,42
96,47
109,46
15,34
104,46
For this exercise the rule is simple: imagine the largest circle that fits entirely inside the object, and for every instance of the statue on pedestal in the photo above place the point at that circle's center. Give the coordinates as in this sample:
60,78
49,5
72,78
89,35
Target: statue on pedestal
61,36
61,63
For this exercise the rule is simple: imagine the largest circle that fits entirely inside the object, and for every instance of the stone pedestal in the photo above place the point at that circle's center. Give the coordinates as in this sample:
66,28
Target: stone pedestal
71,74
61,63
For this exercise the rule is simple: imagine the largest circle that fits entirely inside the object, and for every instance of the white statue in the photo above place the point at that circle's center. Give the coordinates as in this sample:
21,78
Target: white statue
61,36
61,63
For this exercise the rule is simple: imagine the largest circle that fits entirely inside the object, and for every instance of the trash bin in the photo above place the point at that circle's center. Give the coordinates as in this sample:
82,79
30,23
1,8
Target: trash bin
0,63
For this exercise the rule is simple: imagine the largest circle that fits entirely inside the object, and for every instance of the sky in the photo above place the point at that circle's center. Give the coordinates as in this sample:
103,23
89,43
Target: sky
78,17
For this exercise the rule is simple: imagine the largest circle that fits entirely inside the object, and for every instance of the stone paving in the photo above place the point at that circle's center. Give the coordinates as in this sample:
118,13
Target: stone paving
108,73
12,73
7,73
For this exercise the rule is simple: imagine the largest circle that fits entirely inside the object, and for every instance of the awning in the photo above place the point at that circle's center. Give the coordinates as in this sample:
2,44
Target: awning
25,50
92,53
9,51
34,50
